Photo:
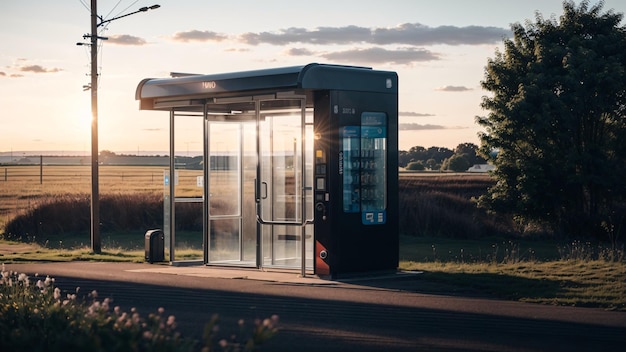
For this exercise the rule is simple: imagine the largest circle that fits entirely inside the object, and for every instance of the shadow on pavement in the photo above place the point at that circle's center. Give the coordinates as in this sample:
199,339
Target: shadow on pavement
328,324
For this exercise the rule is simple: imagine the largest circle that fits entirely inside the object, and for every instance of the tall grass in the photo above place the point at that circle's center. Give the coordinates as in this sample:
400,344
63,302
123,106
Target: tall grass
439,205
22,190
444,206
70,213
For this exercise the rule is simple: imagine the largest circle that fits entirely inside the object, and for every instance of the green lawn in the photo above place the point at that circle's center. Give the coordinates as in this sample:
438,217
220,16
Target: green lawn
546,272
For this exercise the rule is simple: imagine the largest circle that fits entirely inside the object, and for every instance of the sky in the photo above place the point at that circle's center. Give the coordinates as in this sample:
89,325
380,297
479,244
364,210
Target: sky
438,48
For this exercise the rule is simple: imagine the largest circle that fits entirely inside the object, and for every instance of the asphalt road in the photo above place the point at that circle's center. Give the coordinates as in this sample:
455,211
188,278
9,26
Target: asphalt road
400,312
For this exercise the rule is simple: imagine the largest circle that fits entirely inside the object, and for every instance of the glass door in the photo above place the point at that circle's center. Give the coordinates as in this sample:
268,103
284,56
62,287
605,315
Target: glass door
284,184
260,194
232,226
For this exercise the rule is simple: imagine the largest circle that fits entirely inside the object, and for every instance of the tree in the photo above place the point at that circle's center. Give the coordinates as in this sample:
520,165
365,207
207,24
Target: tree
456,163
431,164
419,153
557,119
415,166
466,148
403,158
438,153
471,152
106,153
465,155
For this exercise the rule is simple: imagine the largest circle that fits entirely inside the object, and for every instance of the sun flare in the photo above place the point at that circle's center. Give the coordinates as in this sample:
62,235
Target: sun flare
83,120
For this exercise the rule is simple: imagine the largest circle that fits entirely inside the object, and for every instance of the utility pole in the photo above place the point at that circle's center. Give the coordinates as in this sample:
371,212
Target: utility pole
96,242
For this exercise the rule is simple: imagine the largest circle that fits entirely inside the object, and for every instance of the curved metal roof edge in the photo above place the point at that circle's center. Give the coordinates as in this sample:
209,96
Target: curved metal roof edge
140,87
313,75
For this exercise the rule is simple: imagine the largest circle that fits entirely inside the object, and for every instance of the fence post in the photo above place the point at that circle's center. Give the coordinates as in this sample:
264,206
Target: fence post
41,169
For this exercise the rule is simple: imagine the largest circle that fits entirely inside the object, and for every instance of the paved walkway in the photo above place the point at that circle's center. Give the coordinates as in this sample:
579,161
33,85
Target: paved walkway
233,273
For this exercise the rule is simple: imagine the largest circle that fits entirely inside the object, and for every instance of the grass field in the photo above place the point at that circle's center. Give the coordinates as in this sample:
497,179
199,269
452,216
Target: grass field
548,271
23,187
578,280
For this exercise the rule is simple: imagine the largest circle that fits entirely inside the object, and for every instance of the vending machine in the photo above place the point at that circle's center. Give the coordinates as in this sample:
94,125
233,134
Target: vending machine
356,182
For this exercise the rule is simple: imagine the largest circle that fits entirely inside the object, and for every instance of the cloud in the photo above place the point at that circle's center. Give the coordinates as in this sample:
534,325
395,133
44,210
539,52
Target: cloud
300,52
198,36
321,35
125,39
22,66
237,50
152,129
379,55
418,127
407,33
411,113
376,55
412,36
37,69
419,34
453,89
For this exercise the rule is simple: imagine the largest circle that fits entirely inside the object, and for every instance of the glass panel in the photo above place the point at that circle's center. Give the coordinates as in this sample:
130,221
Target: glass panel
188,187
188,156
224,177
249,223
189,230
350,147
167,211
232,172
281,143
373,167
224,240
363,165
283,187
282,246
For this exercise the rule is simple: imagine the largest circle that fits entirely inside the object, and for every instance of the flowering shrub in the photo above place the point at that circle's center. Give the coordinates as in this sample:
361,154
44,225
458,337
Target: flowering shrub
38,317
262,331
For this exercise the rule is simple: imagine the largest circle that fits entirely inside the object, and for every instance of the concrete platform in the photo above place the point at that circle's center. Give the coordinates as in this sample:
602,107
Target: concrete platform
235,273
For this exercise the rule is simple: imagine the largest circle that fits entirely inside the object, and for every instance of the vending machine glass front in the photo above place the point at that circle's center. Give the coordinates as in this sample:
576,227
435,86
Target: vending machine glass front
364,163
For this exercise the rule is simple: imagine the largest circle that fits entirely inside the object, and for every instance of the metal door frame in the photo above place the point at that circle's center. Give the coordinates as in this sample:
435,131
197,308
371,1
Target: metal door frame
303,188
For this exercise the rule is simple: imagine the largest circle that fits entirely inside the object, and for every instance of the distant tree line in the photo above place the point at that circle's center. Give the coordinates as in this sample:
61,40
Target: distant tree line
440,159
417,158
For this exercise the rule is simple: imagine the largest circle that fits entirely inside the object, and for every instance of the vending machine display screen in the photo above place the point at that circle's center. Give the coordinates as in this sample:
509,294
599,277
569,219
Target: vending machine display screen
363,166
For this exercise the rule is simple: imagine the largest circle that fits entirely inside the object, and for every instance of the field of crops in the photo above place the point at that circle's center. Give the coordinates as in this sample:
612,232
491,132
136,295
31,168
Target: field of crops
23,187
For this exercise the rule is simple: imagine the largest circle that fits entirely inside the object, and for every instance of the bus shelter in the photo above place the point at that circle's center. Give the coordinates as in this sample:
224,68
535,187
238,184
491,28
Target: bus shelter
299,166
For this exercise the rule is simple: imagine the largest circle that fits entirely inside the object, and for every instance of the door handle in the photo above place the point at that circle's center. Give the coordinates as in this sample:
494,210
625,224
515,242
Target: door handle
260,193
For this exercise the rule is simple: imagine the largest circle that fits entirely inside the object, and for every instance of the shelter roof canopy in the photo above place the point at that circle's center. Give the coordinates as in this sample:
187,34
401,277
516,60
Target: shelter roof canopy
309,77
